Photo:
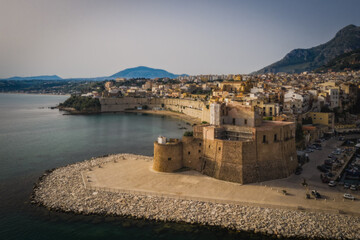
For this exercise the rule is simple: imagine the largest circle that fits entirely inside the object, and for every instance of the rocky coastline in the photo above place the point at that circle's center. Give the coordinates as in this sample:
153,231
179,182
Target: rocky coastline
63,189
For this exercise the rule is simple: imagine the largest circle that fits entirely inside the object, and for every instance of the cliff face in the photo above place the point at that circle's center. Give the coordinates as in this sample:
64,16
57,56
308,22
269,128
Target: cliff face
299,60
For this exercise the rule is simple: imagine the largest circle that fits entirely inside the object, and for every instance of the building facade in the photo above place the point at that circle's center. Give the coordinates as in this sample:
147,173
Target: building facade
238,147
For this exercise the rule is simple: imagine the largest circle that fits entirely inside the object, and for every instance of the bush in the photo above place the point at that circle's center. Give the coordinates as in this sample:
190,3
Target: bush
188,133
82,103
204,122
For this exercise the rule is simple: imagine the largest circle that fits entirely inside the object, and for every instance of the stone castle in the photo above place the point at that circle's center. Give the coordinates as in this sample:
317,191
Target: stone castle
236,146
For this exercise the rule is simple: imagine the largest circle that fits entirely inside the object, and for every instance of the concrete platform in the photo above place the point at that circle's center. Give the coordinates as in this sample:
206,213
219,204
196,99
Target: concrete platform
134,173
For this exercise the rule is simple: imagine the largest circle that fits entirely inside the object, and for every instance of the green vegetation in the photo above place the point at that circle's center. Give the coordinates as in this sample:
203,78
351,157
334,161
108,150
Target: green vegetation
82,104
347,61
188,134
204,122
51,86
268,118
299,134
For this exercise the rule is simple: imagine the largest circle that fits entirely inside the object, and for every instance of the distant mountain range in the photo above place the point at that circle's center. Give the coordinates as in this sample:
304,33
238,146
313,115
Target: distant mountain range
136,72
300,60
144,72
43,77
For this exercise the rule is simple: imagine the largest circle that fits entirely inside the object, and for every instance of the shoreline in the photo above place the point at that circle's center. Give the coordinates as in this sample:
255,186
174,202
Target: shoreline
64,189
44,94
176,115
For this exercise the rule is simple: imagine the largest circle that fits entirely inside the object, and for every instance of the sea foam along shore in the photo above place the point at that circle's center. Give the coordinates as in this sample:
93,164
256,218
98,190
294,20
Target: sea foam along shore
63,189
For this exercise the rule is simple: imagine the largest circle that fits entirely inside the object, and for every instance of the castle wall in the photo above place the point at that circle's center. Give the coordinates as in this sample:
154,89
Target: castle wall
269,154
250,168
168,157
189,107
192,153
276,158
231,164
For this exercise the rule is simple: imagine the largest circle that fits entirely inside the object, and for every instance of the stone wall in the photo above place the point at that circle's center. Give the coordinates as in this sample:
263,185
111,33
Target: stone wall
192,108
255,160
168,157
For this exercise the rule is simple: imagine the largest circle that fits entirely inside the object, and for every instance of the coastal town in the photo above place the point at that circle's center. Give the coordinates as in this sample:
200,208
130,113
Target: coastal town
182,120
286,143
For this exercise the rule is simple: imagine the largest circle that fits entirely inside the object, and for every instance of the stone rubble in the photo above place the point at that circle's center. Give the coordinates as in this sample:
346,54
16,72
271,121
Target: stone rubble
62,189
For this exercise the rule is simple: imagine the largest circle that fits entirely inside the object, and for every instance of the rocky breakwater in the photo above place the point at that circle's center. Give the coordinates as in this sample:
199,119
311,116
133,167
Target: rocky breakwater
63,190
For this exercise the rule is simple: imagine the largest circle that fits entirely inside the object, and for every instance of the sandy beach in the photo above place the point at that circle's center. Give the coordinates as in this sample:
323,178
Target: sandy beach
182,116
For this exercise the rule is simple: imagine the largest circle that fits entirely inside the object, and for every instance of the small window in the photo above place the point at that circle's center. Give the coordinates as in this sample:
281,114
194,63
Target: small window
209,146
200,144
233,121
169,159
219,148
245,121
264,139
188,153
199,151
275,137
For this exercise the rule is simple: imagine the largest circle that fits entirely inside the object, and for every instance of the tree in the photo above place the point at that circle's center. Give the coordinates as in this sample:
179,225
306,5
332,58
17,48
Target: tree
188,134
299,134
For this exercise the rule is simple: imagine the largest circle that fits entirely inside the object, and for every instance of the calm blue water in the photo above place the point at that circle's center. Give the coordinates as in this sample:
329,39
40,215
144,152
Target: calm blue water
34,138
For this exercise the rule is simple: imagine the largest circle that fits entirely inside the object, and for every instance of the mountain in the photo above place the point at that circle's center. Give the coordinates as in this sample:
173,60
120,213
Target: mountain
143,72
300,60
43,77
346,61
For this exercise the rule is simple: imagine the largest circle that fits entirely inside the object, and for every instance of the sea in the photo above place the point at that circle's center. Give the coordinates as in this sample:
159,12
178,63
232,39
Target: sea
35,138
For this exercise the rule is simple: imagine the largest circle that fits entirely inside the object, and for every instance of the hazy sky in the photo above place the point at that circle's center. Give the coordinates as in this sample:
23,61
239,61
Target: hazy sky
73,38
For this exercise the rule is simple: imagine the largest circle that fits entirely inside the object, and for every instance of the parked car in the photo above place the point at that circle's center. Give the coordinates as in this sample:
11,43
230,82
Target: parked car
332,184
346,186
315,193
353,187
298,170
349,196
323,169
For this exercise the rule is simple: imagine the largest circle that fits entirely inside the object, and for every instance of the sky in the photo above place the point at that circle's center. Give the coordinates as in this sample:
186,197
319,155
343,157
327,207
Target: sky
88,38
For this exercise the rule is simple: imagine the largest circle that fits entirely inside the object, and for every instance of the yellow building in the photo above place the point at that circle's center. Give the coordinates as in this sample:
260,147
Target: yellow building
235,86
238,78
327,119
268,109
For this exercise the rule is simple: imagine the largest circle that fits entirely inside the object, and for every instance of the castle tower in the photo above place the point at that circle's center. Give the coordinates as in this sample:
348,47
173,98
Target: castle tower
168,155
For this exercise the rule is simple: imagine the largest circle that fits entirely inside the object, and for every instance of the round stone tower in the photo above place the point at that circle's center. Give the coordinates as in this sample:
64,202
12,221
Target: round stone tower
168,155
